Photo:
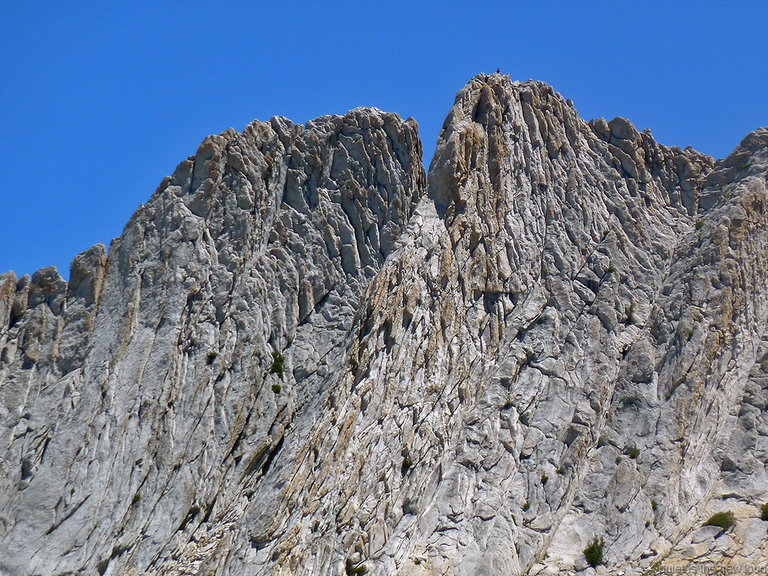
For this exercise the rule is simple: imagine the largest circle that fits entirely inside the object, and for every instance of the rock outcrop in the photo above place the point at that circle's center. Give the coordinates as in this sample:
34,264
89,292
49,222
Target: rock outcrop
303,357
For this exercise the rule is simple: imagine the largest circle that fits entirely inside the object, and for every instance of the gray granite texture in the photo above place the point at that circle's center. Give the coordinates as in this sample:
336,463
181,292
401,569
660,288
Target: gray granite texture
303,356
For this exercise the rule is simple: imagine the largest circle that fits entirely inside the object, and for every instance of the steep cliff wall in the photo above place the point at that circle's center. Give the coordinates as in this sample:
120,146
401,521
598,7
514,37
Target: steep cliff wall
301,358
127,429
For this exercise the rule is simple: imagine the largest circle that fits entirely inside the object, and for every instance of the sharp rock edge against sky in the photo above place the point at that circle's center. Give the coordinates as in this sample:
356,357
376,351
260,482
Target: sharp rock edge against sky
99,103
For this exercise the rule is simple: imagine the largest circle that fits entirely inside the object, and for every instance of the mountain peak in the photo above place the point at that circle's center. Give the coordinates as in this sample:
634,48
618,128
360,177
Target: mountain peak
304,356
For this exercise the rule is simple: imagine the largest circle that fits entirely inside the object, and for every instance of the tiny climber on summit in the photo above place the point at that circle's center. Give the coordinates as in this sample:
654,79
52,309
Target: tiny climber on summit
498,70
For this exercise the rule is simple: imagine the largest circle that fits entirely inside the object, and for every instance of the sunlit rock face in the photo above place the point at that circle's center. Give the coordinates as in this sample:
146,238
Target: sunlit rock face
303,356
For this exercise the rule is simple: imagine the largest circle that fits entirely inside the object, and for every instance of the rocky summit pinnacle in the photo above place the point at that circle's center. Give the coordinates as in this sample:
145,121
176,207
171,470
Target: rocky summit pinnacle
304,357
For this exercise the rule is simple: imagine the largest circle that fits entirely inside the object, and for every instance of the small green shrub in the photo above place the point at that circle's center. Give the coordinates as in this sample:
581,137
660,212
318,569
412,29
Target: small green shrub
212,356
594,552
745,165
764,512
277,364
610,270
699,224
136,499
722,520
526,505
544,479
276,388
654,505
407,463
634,452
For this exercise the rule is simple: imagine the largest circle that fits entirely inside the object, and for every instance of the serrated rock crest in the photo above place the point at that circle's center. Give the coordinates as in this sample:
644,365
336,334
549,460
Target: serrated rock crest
303,357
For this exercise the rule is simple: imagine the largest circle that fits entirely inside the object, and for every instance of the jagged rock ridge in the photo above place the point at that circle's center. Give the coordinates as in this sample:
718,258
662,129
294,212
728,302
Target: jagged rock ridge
301,358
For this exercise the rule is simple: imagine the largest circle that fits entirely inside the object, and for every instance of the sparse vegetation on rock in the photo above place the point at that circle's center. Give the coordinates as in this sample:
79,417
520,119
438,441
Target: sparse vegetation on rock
594,551
724,520
277,364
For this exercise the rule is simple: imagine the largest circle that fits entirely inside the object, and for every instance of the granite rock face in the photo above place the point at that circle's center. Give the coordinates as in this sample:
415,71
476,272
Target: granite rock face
304,357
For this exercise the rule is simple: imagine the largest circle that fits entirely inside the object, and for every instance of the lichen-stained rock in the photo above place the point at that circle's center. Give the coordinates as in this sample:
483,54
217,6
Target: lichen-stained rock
303,358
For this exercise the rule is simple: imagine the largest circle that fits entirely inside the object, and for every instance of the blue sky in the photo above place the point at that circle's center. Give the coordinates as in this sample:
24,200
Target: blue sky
99,102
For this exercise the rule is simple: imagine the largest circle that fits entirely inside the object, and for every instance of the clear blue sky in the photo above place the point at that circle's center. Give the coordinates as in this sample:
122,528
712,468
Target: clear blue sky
99,102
